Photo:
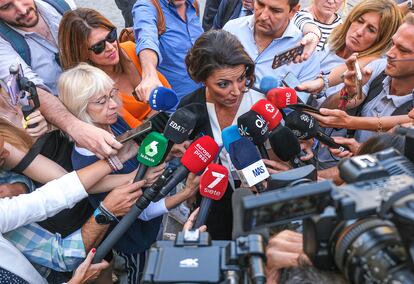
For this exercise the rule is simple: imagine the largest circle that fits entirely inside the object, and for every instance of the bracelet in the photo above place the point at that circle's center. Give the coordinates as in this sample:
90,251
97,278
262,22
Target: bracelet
311,32
115,163
379,129
106,211
325,79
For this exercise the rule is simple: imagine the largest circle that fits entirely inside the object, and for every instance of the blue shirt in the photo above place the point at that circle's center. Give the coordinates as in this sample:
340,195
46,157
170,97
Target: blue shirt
141,234
243,28
172,46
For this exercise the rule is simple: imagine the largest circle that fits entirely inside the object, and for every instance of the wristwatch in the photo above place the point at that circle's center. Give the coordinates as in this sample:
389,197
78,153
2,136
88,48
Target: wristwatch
103,216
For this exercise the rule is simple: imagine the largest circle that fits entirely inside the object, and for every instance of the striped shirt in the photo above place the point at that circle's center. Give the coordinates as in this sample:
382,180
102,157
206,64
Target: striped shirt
304,17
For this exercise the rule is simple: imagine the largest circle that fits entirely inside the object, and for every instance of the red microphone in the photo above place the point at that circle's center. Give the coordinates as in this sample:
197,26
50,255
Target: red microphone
269,112
282,97
195,159
213,185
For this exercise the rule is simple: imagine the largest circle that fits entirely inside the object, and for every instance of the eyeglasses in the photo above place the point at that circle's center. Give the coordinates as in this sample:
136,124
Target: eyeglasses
105,99
99,47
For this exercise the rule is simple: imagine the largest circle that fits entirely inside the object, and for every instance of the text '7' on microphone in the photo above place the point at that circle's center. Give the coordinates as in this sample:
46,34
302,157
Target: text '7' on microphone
246,159
213,185
150,153
198,155
254,127
195,159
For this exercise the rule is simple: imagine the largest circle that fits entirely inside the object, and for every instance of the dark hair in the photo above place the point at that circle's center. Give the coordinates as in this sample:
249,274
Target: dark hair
293,3
382,142
217,49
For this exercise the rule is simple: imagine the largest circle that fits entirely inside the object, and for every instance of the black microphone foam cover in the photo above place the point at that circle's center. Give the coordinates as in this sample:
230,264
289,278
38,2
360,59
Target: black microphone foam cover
237,208
180,125
284,143
253,126
303,125
202,121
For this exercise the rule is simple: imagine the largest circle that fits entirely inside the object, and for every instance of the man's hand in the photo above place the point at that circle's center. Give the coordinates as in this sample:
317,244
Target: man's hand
33,118
12,189
285,250
306,146
333,118
122,198
128,151
147,84
274,167
191,188
178,150
352,144
95,139
312,86
191,220
310,42
88,271
153,173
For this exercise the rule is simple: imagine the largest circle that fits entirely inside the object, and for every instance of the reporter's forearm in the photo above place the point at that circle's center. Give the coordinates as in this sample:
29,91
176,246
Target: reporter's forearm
311,28
110,182
176,199
91,174
149,62
92,233
384,123
55,112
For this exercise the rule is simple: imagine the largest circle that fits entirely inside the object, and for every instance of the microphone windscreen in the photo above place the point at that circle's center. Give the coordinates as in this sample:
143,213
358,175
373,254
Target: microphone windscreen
199,154
236,205
267,83
214,181
202,119
303,125
243,153
152,149
269,112
253,126
162,98
229,135
158,123
180,125
282,97
284,143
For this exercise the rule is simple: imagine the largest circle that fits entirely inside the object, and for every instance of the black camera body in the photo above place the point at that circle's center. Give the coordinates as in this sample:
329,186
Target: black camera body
363,228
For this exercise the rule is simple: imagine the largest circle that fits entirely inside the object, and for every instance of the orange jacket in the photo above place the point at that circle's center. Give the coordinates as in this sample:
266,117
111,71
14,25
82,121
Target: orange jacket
133,111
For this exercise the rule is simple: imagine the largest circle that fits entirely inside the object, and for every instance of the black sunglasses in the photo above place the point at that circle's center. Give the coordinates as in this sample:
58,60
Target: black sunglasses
99,47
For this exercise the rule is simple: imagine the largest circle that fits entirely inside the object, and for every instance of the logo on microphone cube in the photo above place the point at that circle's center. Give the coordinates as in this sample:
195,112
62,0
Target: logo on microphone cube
288,96
214,181
254,173
152,149
243,131
269,108
262,124
178,127
258,171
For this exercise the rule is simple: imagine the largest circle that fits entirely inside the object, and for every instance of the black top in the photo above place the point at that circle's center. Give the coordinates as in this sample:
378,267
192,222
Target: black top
220,219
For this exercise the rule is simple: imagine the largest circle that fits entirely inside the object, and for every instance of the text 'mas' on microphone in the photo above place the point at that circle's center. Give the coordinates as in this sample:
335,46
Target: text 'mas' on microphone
254,127
198,155
213,185
305,126
250,167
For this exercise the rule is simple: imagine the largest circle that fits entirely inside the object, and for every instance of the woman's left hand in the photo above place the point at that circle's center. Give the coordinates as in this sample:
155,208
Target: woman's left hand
153,173
88,271
191,188
306,146
33,118
310,42
191,220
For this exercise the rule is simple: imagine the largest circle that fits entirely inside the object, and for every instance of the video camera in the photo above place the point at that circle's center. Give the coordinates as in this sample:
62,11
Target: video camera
364,229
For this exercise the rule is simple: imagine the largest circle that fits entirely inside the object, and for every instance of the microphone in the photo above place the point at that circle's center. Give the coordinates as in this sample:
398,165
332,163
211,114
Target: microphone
305,126
282,97
246,159
201,113
269,112
286,146
180,125
198,155
150,153
158,123
254,127
229,135
213,185
267,83
162,98
256,260
195,159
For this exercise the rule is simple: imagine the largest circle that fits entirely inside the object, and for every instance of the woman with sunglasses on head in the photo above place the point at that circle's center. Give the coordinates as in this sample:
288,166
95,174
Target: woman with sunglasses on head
85,35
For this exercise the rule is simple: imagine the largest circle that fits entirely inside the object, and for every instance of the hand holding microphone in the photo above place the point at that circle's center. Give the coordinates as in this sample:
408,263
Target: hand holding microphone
213,185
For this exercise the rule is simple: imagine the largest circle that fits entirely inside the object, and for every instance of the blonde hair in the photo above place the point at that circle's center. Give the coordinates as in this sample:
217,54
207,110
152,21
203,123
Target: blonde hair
391,19
77,85
15,136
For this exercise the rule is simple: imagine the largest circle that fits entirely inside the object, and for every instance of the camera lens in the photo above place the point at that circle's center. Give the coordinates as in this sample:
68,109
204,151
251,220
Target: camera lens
369,251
